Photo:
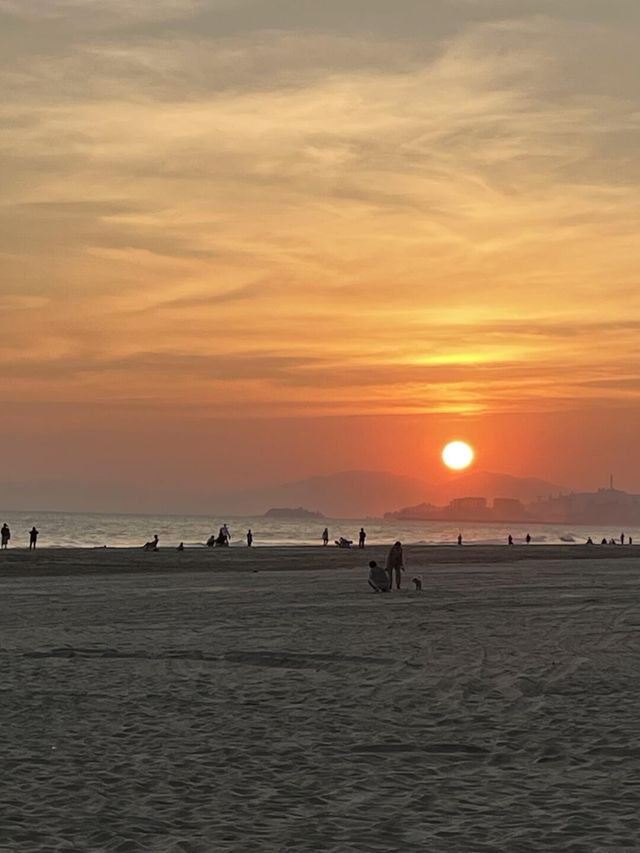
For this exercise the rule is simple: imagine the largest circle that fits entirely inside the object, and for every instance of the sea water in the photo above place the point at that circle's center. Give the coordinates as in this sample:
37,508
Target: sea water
90,530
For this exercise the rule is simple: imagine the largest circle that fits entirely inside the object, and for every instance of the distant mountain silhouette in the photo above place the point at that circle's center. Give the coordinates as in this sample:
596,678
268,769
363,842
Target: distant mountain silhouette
348,494
487,485
357,494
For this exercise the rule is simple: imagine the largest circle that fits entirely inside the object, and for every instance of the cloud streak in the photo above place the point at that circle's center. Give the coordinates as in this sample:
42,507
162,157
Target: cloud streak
315,216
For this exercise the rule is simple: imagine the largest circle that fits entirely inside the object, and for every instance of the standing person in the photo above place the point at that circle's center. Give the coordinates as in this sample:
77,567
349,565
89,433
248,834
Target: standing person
33,538
249,538
528,539
395,564
622,538
5,535
362,537
459,538
325,536
225,530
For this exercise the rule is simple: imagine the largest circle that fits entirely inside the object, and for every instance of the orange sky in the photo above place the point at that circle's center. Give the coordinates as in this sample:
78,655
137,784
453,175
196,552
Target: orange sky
353,230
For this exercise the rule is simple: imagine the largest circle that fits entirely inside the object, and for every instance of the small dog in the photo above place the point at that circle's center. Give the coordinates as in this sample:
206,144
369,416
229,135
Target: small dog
418,584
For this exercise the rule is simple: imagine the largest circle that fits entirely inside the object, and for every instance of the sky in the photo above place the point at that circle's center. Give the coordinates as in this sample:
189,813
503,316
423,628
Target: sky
246,241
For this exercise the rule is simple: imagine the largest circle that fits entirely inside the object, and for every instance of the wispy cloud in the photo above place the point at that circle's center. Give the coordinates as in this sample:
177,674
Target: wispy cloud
381,220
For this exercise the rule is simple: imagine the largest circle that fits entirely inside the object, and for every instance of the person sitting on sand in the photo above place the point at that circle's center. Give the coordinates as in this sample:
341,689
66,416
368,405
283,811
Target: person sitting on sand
604,542
378,578
181,546
589,541
5,536
151,546
33,538
344,543
395,564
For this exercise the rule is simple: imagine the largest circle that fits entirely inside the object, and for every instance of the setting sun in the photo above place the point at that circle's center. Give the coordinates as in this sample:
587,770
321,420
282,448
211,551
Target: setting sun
457,455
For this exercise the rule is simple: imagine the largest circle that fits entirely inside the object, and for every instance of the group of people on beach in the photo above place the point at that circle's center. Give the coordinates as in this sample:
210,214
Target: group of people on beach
382,579
342,541
223,539
5,537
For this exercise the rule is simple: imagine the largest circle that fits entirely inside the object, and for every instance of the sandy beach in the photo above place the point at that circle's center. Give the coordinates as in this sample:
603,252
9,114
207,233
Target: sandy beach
204,702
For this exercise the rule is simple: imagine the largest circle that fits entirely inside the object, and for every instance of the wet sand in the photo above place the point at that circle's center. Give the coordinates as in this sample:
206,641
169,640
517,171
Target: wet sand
196,705
67,561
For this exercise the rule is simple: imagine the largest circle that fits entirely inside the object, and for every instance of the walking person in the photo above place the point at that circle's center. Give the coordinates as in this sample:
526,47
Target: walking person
33,538
395,564
362,536
5,536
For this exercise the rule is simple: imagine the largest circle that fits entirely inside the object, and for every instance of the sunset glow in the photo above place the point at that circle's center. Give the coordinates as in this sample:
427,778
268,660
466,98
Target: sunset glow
218,211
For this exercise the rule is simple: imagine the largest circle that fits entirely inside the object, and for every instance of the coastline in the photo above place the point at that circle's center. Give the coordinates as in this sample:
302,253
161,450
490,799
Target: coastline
297,558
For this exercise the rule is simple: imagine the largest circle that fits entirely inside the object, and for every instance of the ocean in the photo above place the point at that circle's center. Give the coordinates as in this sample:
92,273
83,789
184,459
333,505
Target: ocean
93,530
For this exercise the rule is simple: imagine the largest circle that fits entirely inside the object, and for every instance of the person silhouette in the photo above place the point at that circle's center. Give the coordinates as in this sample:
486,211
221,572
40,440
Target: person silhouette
180,547
5,536
459,538
622,538
33,538
510,539
152,545
528,539
249,538
378,578
395,564
362,537
325,536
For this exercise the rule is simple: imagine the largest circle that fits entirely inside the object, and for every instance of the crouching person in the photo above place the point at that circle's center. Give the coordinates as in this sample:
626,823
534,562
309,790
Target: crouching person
378,578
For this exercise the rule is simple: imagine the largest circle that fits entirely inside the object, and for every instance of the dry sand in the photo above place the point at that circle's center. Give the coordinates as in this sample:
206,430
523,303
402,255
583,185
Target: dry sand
189,706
